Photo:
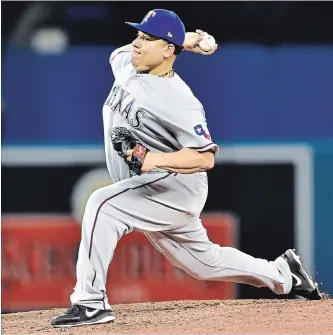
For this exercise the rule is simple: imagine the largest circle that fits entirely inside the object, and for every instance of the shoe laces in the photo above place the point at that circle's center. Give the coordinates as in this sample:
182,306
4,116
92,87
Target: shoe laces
73,310
297,256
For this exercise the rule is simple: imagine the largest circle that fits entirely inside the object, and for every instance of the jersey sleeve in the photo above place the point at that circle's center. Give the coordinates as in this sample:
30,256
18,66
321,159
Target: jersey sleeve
119,59
192,132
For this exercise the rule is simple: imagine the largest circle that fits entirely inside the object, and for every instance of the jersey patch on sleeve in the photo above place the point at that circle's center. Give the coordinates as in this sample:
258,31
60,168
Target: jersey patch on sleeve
200,130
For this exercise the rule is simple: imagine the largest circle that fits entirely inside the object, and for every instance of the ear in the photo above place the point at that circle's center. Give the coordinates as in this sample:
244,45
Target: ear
169,50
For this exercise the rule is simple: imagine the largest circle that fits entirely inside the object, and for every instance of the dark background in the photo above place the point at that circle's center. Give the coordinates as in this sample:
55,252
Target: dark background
268,23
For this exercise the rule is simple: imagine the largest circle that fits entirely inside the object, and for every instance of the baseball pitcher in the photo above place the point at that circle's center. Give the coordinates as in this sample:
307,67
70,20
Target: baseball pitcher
158,149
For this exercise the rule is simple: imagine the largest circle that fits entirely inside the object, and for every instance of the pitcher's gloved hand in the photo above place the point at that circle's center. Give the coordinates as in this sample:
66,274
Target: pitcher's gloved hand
129,148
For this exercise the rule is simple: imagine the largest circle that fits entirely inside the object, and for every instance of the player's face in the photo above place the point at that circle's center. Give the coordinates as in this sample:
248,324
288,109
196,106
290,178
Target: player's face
149,52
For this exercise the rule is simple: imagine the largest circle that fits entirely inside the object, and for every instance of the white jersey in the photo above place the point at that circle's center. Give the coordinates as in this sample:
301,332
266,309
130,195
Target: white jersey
162,113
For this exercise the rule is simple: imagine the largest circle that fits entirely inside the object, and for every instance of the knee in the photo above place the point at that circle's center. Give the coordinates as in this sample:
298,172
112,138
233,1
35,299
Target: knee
95,200
202,275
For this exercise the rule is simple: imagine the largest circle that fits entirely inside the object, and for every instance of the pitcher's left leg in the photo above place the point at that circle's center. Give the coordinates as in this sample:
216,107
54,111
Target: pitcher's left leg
204,260
195,254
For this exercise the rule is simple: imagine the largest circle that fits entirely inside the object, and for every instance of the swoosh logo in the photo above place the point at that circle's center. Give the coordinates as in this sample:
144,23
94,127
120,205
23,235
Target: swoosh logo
92,313
298,281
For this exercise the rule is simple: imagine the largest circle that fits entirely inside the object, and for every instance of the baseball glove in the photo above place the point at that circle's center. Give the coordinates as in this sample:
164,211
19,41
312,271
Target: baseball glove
122,140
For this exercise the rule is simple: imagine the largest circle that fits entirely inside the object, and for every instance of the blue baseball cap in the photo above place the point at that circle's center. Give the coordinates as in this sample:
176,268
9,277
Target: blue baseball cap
164,24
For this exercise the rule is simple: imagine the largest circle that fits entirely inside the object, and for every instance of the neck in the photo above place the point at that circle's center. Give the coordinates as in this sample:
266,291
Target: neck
160,69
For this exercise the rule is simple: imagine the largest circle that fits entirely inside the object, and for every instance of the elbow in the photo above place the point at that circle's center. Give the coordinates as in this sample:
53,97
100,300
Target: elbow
209,160
210,164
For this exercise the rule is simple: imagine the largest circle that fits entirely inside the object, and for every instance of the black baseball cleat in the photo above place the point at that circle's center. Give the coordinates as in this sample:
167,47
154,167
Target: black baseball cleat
79,315
303,285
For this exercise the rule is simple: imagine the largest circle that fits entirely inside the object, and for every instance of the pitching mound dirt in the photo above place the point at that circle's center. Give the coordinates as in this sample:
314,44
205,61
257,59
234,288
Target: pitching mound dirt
179,317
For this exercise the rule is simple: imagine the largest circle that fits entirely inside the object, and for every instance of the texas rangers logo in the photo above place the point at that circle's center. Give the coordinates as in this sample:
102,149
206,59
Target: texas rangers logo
149,15
199,130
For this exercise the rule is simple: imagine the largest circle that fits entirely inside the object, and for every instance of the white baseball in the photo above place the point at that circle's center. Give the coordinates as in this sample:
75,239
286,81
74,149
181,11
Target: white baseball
207,43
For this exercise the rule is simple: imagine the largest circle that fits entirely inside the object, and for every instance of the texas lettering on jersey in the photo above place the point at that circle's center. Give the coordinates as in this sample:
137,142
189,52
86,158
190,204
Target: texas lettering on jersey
120,101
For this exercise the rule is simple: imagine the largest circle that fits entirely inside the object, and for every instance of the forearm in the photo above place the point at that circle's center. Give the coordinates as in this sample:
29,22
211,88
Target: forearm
183,161
184,171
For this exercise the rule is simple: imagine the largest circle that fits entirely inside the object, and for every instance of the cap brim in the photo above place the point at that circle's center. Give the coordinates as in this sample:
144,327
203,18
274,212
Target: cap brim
141,27
138,26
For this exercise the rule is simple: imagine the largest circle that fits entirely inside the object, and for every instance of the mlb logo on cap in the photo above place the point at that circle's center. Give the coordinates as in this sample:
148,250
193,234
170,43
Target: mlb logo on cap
164,24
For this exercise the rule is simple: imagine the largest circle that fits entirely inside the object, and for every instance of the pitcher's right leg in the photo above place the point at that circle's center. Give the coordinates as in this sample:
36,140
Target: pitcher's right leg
110,213
100,233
